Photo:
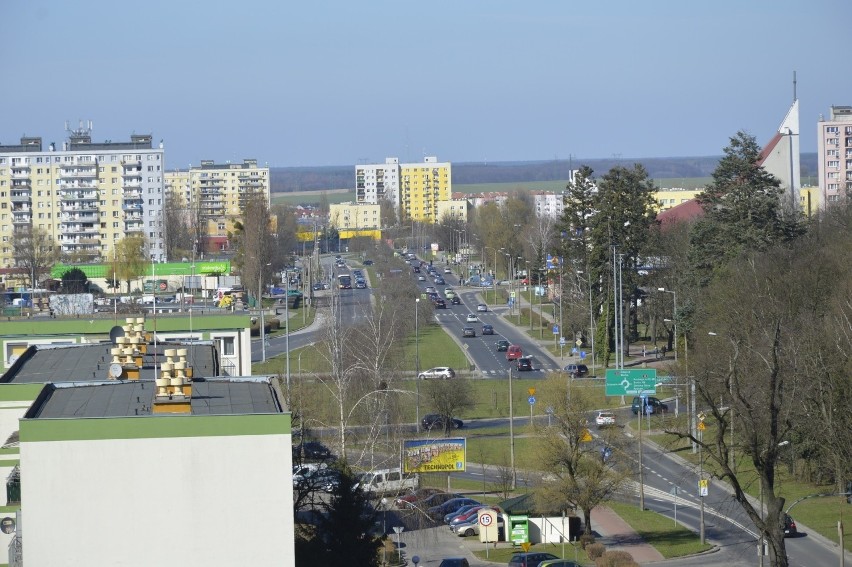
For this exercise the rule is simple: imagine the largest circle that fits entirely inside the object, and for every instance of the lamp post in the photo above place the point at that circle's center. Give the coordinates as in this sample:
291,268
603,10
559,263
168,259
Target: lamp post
417,361
639,429
384,530
674,316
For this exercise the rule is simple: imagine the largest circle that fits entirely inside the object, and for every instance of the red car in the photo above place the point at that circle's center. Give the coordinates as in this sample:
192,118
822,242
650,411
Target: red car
514,352
414,497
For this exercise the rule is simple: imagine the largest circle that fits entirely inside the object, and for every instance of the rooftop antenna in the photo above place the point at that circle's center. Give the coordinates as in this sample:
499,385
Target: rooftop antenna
794,87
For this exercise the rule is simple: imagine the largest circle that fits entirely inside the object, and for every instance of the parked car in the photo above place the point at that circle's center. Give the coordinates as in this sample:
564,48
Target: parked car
454,562
789,526
655,405
435,421
471,318
415,496
471,527
368,262
482,307
525,364
449,506
559,563
313,450
514,352
605,419
438,372
468,332
461,512
576,369
530,559
436,500
487,329
502,345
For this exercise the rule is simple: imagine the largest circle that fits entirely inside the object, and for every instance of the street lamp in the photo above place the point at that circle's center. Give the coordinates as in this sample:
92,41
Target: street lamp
674,316
639,429
262,322
384,530
417,361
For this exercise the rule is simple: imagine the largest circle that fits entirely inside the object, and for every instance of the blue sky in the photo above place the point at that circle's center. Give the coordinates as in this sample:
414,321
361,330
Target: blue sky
339,82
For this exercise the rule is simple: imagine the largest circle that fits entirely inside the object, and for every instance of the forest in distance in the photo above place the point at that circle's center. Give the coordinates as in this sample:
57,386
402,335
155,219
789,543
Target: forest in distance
327,178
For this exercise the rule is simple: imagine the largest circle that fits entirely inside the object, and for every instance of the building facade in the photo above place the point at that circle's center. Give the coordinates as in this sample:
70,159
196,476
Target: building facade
834,155
414,188
86,195
215,194
355,216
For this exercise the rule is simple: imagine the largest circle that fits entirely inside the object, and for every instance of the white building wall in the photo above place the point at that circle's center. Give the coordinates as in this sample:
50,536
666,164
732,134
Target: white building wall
211,501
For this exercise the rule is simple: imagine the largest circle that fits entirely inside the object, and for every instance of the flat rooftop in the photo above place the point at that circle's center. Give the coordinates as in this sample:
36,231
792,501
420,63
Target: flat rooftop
126,398
41,364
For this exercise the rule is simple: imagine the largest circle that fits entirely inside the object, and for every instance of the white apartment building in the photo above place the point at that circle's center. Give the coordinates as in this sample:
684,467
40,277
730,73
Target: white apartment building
834,155
86,195
548,204
374,182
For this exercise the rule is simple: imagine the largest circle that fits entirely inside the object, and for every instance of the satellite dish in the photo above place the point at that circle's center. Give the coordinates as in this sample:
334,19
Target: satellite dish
115,370
115,332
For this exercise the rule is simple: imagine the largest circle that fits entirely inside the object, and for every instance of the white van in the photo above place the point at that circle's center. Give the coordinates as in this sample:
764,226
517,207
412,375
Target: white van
388,481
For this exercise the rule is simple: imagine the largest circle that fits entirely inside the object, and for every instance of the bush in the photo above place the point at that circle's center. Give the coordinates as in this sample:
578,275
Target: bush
615,559
595,550
274,324
586,539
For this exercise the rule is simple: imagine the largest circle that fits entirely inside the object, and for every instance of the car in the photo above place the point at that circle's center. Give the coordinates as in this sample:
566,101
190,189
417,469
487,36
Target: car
461,512
436,421
438,372
790,529
605,419
440,281
559,563
439,303
456,300
471,527
471,318
430,289
653,405
325,479
360,284
525,363
313,450
436,499
317,286
576,369
449,293
514,352
454,562
368,262
487,329
482,307
502,345
468,332
448,270
449,506
530,559
415,496
421,278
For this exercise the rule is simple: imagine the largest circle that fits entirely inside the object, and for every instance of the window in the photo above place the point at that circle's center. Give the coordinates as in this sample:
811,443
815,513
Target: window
227,346
833,163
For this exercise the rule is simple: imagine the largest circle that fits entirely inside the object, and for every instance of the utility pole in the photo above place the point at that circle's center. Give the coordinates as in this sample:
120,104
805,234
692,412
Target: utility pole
512,433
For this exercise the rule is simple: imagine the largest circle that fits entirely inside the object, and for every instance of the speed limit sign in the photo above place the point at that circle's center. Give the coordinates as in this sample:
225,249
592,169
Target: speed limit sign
485,520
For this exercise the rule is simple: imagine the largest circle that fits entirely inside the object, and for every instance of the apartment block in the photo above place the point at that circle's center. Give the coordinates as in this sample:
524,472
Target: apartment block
834,155
422,185
355,216
86,195
374,182
453,208
217,194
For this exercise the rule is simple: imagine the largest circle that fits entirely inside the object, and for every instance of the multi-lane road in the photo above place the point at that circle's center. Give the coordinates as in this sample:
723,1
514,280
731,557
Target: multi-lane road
726,525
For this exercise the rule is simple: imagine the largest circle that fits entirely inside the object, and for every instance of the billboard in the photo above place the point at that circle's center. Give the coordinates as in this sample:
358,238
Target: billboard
434,455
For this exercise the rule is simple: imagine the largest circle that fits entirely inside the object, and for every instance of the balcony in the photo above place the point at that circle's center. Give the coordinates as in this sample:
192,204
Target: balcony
79,196
79,207
78,173
137,174
21,197
131,163
81,229
132,183
131,207
21,218
91,217
133,195
20,174
134,228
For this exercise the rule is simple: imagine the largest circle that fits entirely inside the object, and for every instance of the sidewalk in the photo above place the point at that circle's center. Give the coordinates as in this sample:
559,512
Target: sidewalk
615,533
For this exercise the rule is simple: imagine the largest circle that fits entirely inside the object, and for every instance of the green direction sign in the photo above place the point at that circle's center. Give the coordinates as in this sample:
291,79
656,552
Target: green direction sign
632,382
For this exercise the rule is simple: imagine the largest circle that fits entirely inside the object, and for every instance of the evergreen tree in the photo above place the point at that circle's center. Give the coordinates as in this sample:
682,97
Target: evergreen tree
743,211
345,534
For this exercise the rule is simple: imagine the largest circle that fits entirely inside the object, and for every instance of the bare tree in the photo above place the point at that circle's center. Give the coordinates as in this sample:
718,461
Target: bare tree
447,398
35,253
583,478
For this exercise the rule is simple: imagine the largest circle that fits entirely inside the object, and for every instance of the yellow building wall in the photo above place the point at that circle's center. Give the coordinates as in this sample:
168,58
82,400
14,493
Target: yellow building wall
454,208
422,185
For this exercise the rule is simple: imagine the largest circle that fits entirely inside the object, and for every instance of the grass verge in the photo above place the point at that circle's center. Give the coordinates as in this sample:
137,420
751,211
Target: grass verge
670,539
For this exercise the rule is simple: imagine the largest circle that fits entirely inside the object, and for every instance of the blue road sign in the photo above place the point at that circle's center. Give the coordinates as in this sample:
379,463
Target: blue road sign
532,400
556,329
